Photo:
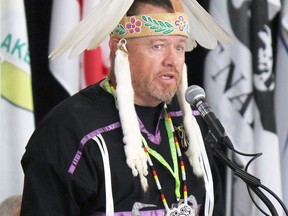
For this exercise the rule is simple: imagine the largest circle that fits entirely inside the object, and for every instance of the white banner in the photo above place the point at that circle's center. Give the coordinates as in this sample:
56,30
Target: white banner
17,120
281,92
239,83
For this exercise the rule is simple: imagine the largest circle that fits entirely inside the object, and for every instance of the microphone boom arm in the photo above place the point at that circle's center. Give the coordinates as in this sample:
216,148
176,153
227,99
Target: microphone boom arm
251,181
195,96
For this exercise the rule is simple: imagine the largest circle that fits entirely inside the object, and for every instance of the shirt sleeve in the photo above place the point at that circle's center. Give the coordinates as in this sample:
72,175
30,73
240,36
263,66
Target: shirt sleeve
49,188
46,190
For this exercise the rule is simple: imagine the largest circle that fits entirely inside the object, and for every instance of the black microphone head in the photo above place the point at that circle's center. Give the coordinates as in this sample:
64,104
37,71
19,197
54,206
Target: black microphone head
193,93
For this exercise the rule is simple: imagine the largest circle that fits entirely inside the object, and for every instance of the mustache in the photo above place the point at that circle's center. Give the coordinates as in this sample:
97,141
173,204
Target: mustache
169,70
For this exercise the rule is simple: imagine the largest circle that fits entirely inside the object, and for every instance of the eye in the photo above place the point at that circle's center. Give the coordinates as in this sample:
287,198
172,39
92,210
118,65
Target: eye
158,46
180,48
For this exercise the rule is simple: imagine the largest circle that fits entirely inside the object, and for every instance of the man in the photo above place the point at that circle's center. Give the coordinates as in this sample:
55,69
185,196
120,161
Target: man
119,147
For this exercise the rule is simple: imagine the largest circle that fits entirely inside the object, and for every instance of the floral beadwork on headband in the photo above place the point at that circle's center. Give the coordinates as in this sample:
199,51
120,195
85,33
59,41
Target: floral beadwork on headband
181,23
152,24
163,26
133,25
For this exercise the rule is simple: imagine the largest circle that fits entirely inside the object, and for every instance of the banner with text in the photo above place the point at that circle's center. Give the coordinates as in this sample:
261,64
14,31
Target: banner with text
240,84
281,92
17,120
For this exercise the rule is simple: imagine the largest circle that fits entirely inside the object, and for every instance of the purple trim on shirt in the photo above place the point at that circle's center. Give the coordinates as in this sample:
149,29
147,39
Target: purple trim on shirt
179,113
99,131
85,139
156,139
195,112
75,162
175,114
159,212
129,213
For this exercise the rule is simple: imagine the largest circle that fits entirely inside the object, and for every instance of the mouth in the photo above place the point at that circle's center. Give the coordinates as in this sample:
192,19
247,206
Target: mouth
167,76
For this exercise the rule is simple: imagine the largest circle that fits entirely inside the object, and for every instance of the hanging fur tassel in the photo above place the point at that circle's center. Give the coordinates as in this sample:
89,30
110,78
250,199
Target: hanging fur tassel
193,151
94,28
136,157
196,151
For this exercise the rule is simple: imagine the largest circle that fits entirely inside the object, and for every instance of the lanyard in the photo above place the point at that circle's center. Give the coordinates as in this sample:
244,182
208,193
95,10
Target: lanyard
159,157
174,149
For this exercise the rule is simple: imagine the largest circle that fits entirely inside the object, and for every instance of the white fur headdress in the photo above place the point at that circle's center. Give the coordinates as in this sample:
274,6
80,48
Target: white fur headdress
109,18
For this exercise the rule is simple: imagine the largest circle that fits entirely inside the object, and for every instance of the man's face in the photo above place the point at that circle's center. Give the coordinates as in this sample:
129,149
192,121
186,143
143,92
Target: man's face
156,64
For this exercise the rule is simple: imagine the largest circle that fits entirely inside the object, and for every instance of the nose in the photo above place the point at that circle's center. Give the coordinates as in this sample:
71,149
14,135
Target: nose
172,57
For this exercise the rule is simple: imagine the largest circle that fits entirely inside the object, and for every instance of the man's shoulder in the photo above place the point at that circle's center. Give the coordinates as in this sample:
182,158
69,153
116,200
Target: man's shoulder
90,99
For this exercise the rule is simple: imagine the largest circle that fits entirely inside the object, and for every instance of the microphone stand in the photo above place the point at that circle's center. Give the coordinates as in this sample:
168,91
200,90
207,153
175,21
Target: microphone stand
251,181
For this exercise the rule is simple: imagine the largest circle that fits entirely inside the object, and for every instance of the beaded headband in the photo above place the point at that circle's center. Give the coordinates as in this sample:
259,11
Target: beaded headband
152,25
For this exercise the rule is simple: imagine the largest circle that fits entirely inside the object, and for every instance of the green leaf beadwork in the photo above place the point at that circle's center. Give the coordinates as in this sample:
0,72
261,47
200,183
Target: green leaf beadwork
120,30
158,25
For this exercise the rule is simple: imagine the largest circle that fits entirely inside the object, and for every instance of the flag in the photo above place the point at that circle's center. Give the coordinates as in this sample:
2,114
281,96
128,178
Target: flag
281,92
240,83
66,71
17,121
79,72
96,62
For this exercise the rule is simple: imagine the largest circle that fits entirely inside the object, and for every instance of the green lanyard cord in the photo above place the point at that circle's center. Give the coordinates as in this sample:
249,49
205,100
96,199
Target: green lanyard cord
154,153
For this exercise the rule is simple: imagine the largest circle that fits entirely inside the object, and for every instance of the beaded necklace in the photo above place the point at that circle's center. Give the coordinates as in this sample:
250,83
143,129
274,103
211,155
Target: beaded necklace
176,154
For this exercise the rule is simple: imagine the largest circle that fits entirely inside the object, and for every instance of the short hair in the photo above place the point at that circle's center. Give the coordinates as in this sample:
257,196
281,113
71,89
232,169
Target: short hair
134,9
11,206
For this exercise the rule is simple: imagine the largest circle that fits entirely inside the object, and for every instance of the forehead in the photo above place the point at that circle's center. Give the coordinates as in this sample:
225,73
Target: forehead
175,39
150,9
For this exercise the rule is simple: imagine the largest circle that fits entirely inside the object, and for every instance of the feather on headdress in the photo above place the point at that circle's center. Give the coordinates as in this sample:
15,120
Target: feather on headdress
99,23
203,28
93,29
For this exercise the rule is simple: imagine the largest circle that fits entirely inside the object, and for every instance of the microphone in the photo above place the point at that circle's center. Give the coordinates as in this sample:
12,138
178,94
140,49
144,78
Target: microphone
195,96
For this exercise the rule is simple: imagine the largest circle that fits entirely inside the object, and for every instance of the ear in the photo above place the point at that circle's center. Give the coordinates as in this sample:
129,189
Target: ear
113,46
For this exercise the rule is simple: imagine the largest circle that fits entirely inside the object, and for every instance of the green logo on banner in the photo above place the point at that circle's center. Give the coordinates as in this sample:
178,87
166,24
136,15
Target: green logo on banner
16,48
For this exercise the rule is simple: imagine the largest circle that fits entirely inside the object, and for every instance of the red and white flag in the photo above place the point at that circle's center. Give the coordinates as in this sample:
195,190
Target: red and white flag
79,72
